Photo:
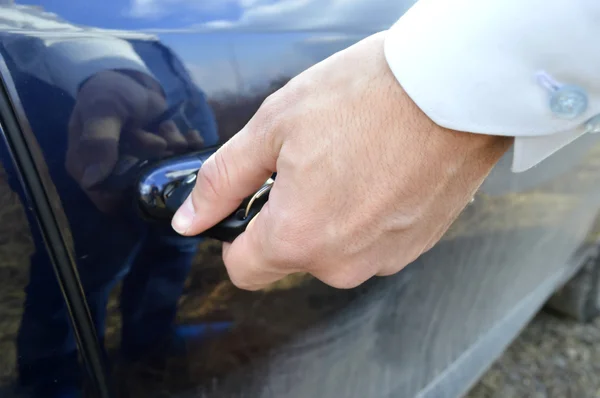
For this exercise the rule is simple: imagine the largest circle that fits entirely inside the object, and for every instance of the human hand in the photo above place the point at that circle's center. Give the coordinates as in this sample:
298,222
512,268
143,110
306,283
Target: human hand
366,182
110,111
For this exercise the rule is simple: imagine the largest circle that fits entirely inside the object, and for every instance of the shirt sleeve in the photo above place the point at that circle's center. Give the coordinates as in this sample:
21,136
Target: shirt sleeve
523,68
68,62
71,62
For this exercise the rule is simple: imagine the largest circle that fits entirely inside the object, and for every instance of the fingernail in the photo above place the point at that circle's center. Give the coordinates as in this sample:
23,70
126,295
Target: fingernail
184,216
93,174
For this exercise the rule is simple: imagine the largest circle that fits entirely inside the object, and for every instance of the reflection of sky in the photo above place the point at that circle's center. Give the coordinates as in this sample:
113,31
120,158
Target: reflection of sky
120,14
228,43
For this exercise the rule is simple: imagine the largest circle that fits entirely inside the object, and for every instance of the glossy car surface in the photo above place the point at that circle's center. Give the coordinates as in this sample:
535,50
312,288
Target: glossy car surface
97,300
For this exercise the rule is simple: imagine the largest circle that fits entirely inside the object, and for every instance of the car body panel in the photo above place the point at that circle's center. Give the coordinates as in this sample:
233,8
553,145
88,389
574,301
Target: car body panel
34,275
428,331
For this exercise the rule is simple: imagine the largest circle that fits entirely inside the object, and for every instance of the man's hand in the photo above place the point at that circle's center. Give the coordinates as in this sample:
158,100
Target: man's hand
366,182
111,110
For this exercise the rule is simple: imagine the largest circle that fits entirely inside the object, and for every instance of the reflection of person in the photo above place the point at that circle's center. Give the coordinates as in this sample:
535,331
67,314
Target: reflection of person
473,75
87,94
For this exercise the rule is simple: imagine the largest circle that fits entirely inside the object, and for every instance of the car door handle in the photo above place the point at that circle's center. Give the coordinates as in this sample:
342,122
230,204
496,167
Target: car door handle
163,186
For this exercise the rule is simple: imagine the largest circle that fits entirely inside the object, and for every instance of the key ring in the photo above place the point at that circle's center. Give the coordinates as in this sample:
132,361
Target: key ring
263,190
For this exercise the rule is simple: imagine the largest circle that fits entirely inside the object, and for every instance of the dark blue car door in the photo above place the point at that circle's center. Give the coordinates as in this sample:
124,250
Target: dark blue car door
100,297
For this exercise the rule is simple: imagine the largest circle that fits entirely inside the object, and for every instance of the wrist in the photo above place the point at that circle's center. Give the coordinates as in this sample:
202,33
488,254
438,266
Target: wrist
487,149
144,80
140,78
480,151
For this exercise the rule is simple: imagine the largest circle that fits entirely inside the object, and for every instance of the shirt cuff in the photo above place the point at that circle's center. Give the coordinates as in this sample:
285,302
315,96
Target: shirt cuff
502,67
86,57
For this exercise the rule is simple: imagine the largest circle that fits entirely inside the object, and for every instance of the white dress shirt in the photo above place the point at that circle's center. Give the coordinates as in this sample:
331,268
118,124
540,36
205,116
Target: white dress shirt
523,68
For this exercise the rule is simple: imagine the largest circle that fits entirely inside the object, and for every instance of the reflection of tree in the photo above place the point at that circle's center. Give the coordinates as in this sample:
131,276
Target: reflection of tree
233,110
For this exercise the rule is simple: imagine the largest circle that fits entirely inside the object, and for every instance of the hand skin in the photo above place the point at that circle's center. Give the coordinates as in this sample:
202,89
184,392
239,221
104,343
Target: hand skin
366,182
110,110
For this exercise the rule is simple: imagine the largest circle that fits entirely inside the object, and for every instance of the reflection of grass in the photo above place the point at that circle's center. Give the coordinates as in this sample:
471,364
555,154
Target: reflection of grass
16,246
546,206
528,210
263,319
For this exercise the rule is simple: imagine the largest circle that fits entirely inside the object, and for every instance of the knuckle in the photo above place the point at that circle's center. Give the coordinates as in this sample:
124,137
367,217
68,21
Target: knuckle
346,279
242,275
238,280
275,118
389,270
274,112
297,87
214,177
268,117
279,253
290,245
396,264
155,102
240,283
235,271
273,100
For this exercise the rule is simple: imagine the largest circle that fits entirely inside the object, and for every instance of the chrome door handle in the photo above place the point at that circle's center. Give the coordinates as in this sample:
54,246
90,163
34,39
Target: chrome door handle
162,187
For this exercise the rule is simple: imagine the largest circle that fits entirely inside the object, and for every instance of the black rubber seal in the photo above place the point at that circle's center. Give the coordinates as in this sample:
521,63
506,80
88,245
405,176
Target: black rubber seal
64,266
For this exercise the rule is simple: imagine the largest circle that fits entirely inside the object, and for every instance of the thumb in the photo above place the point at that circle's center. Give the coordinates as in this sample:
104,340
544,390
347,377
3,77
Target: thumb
98,149
234,172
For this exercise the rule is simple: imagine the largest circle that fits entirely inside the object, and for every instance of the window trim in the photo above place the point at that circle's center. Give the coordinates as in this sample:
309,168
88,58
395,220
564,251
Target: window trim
15,131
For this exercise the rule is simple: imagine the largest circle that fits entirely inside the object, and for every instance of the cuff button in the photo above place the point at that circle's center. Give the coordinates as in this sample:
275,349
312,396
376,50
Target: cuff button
568,102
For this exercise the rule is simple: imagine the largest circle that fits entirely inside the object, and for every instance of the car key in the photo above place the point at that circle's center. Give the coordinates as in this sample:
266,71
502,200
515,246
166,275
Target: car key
233,225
